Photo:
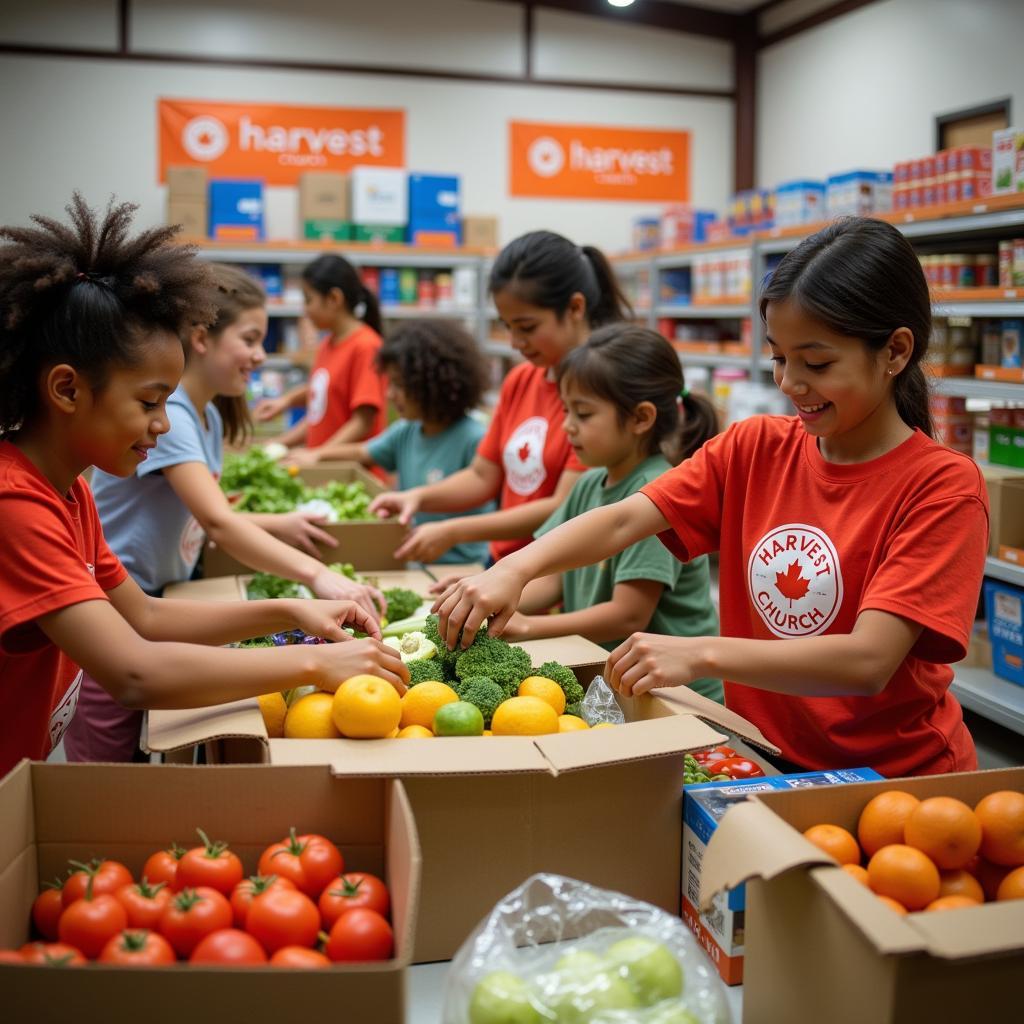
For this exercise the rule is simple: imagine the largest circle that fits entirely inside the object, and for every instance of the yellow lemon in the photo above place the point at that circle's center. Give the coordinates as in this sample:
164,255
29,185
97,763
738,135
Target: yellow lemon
366,708
309,718
603,725
570,723
524,716
420,703
273,708
547,689
487,732
415,732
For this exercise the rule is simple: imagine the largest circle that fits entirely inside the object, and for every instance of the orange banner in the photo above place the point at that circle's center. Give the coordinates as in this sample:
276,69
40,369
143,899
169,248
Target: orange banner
579,161
275,142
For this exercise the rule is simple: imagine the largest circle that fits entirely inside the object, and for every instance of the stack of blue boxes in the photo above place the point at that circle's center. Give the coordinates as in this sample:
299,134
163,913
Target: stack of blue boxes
434,209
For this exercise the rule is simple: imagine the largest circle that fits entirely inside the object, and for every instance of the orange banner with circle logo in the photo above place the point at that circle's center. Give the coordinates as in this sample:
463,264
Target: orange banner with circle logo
276,142
581,161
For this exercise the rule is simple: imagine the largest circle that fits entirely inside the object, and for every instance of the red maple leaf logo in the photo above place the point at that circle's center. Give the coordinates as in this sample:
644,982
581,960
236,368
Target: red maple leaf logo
791,583
524,451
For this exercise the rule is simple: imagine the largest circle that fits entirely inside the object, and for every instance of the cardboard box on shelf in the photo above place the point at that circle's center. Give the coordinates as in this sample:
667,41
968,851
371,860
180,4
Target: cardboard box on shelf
821,947
328,230
491,811
480,232
979,649
380,196
323,195
1006,508
191,214
51,812
1004,604
185,181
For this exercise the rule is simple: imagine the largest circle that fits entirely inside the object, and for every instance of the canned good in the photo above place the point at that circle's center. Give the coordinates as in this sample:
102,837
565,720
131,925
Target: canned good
1018,263
1005,264
986,271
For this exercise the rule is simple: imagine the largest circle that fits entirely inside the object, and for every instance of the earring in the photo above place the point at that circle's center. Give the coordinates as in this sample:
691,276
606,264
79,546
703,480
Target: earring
889,372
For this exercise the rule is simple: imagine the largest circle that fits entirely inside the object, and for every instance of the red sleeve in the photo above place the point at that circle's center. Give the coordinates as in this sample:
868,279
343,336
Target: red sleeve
932,572
367,385
493,442
110,572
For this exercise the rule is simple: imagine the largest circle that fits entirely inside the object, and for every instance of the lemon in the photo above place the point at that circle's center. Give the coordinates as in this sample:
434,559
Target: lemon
415,732
547,689
273,708
524,716
570,723
603,725
309,718
459,718
421,702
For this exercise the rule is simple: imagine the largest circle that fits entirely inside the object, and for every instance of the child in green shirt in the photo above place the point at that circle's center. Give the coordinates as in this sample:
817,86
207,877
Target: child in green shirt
628,415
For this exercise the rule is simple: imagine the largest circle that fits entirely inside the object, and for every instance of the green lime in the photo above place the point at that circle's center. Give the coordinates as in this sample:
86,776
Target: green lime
459,718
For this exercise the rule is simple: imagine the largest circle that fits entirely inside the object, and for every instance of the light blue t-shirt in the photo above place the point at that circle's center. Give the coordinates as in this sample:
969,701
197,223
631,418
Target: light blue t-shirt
418,459
146,524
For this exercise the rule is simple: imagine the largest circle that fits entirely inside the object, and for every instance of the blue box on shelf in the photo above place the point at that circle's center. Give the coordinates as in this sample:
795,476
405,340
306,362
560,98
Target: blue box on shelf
675,287
1004,604
269,275
388,286
236,210
433,196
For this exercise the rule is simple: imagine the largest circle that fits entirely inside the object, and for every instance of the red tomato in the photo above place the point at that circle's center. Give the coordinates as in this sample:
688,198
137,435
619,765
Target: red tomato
211,864
46,910
228,947
55,954
283,917
309,862
361,934
299,956
12,956
356,889
162,866
107,876
191,915
143,903
714,753
737,768
248,889
141,948
89,923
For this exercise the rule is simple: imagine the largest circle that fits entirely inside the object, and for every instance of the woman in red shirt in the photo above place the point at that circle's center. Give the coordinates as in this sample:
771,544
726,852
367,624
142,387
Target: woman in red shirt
852,545
550,294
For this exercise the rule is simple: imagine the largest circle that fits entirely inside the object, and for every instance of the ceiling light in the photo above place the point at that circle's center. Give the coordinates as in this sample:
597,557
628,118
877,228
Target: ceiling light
621,3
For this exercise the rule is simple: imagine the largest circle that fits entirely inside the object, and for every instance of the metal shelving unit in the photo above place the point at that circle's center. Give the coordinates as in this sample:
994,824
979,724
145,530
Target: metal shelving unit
973,387
1005,571
984,693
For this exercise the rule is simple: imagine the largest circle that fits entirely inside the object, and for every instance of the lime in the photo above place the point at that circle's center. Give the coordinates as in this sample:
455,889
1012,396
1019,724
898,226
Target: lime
459,718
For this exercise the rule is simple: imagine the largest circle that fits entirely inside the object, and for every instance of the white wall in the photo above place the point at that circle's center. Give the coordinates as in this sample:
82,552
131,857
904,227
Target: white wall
863,90
91,124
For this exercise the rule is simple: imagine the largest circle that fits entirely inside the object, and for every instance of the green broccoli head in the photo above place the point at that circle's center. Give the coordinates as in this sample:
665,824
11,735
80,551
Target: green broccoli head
566,679
485,693
496,659
424,669
446,657
402,603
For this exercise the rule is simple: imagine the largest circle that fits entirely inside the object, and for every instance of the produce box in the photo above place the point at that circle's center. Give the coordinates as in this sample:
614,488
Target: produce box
1006,508
1003,611
821,947
720,929
492,810
52,812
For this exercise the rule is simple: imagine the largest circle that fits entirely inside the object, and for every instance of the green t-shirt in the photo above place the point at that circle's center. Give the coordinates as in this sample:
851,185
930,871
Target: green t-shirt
685,607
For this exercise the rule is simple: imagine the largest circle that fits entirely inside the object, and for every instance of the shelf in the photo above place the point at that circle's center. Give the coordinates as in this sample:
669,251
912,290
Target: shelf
702,312
1005,571
361,253
686,255
982,691
719,359
972,387
389,312
978,302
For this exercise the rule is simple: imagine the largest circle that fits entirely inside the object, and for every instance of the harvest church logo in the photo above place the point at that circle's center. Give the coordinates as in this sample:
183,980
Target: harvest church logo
204,138
546,156
794,580
523,456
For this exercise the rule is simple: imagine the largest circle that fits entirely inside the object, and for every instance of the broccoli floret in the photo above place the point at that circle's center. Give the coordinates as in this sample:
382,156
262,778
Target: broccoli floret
446,657
496,659
574,709
485,693
424,669
566,679
402,603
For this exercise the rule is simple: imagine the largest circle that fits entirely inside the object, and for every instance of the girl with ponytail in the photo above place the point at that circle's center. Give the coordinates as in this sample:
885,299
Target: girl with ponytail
851,545
345,397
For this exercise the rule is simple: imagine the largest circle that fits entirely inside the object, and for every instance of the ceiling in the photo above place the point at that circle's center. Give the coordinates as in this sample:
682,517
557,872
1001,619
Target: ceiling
726,6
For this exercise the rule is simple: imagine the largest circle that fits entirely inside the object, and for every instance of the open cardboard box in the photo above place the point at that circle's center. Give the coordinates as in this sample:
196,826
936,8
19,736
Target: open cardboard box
53,812
367,545
819,945
602,806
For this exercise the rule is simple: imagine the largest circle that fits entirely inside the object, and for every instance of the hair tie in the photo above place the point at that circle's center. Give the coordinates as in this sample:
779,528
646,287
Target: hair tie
684,392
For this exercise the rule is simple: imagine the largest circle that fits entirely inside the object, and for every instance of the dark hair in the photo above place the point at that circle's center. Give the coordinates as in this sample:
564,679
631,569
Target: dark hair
862,278
333,271
86,294
626,365
233,293
546,270
439,366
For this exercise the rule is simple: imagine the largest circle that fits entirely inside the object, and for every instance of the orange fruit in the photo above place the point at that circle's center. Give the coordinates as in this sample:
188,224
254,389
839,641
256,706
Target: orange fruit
944,828
570,723
835,841
892,904
415,732
952,903
990,876
1012,886
1002,827
524,716
274,710
882,820
960,882
420,703
857,872
366,708
547,689
310,718
905,874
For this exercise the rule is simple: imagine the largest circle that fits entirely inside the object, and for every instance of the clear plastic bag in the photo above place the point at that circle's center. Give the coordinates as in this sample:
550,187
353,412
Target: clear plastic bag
599,704
560,951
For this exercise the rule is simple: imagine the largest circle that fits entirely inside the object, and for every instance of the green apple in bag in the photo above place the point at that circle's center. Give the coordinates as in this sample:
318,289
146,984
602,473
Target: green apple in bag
650,969
502,998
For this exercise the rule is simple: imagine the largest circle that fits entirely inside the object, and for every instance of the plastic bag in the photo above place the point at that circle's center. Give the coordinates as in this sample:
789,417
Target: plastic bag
558,950
599,704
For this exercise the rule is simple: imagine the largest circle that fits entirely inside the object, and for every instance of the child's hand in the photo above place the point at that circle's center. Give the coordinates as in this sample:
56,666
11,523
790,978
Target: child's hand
302,457
426,543
442,585
300,529
517,627
325,618
357,658
493,595
400,505
267,408
332,586
647,661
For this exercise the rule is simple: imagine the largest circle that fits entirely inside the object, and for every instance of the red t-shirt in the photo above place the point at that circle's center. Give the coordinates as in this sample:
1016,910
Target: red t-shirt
527,440
343,379
53,555
806,545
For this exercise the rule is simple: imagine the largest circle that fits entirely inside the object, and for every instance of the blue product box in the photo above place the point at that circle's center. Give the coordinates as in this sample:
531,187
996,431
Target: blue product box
236,210
433,196
1004,604
269,275
388,286
675,287
701,220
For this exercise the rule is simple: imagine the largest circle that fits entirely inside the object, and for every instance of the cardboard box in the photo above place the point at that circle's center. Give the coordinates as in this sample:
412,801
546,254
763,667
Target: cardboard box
328,230
1004,604
720,929
236,210
389,233
1006,508
493,810
323,195
1007,161
979,649
819,945
380,196
480,232
191,214
53,812
186,181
